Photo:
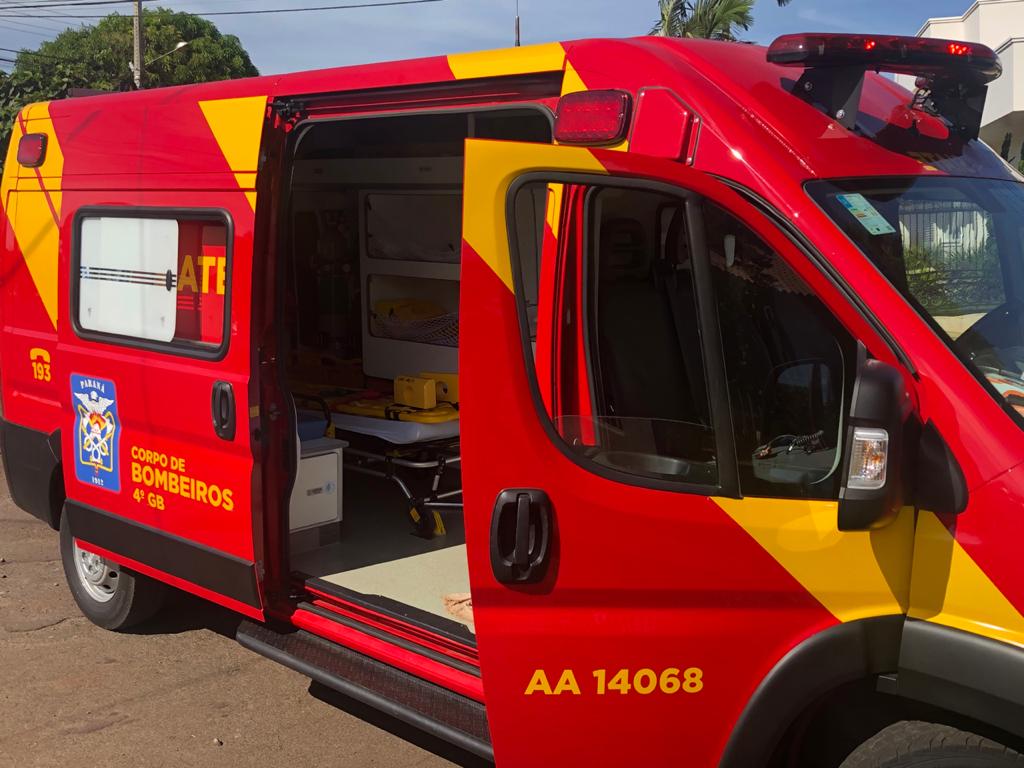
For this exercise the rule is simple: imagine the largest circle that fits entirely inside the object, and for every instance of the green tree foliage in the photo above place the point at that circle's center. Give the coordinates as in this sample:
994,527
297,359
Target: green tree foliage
1018,161
713,19
98,57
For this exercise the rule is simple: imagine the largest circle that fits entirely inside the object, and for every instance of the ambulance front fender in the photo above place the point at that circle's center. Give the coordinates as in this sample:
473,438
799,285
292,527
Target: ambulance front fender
841,654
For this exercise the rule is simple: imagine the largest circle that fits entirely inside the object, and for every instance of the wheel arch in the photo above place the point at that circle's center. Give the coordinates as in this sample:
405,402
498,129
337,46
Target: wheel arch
966,673
822,663
917,669
35,475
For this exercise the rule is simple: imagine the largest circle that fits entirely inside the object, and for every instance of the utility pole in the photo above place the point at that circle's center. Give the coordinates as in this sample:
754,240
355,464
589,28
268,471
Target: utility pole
517,24
140,45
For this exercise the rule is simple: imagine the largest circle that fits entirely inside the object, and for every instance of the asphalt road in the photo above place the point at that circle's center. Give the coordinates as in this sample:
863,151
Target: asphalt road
179,692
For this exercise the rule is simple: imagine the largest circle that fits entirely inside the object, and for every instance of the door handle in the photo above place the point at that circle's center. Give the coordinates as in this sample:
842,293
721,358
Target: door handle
521,536
223,405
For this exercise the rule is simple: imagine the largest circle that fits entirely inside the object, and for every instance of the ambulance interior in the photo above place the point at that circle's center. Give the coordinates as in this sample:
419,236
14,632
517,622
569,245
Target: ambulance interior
372,322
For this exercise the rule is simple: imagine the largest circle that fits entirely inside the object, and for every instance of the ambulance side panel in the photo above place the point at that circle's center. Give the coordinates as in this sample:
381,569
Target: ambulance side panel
151,440
30,200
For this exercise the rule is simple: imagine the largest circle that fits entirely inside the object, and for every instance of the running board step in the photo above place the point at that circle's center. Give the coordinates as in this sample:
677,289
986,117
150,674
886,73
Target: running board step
435,710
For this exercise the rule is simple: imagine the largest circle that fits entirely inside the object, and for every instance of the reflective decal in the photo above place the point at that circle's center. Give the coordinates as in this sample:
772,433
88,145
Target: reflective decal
97,432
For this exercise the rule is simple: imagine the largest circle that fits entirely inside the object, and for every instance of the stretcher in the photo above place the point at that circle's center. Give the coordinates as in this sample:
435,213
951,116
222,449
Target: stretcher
414,449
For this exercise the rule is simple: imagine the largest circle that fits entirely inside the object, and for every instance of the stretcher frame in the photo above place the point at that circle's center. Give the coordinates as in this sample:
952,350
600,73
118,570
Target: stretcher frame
389,462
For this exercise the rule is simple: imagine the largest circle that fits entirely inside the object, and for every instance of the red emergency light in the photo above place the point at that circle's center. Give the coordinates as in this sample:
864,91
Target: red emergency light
593,117
888,53
952,76
32,150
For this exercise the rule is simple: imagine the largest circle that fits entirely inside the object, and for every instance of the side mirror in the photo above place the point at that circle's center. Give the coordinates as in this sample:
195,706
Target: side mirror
872,493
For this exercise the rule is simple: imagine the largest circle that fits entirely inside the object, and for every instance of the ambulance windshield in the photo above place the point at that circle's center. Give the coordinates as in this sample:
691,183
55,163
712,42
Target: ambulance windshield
953,247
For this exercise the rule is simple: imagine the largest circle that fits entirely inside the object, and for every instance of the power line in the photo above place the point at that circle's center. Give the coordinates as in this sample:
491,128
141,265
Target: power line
32,53
261,11
25,31
39,16
28,26
69,3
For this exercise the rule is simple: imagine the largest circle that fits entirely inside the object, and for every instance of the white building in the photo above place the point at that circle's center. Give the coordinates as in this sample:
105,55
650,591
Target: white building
999,24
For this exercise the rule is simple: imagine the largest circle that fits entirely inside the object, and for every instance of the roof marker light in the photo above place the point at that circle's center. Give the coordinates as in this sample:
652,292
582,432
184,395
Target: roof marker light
32,150
593,117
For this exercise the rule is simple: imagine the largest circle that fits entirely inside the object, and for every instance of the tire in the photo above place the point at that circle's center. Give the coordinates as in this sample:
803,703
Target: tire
914,744
109,596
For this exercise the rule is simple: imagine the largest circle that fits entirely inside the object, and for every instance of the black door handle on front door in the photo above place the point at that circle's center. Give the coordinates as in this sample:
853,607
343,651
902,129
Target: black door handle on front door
521,536
223,405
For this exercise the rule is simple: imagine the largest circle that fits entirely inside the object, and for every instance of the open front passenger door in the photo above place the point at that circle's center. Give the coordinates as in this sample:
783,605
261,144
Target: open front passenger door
656,383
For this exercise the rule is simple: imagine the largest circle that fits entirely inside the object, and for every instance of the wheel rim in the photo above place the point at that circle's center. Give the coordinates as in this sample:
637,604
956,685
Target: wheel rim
97,576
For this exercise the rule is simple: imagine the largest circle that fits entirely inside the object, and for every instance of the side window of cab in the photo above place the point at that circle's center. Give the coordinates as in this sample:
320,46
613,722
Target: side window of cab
616,299
790,366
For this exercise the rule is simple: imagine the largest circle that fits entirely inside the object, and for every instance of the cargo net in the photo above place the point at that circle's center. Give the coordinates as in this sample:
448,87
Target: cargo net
442,330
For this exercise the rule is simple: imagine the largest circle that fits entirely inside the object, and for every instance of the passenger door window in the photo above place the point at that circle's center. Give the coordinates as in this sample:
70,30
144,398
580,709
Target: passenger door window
610,305
611,301
789,363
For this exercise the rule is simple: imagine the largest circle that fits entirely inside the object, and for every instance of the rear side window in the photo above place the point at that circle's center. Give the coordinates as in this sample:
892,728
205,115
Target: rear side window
153,279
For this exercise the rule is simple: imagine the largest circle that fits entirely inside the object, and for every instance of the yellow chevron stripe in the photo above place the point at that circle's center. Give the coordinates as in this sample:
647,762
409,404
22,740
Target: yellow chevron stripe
853,574
949,588
553,209
547,57
237,125
10,176
35,215
492,166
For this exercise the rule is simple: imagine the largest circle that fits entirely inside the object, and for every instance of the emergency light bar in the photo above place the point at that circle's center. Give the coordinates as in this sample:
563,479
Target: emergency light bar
952,76
883,53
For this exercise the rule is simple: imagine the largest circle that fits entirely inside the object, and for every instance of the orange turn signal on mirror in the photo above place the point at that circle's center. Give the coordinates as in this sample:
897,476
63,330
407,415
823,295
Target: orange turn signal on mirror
32,150
593,117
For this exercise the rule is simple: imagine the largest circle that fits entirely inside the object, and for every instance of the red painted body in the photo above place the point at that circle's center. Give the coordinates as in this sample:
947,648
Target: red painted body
642,578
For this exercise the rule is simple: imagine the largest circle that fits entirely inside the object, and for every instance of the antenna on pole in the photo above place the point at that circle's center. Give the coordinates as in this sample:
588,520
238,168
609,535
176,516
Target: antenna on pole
139,46
518,41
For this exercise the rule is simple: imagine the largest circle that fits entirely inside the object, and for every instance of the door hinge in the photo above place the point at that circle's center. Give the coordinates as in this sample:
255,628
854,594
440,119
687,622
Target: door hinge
286,113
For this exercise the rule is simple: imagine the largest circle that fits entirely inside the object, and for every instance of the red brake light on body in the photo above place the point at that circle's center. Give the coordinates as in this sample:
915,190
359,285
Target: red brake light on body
593,117
32,150
890,53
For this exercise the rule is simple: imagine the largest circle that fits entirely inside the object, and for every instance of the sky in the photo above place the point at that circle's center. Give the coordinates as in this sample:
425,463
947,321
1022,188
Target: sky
296,41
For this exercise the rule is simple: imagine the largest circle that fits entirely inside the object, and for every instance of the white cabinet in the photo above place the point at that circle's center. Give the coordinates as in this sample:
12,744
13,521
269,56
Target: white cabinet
316,496
410,259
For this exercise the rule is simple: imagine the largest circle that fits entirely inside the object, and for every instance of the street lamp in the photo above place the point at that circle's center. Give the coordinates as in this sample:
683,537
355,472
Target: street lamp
181,44
137,71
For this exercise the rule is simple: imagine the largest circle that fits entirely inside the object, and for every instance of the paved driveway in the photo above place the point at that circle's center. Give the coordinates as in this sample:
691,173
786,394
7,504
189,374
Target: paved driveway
180,692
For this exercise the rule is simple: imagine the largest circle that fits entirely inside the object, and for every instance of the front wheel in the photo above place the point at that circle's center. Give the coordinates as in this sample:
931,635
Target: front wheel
109,596
914,744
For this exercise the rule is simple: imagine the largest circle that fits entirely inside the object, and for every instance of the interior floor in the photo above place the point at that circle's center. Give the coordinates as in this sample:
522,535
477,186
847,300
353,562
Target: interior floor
378,553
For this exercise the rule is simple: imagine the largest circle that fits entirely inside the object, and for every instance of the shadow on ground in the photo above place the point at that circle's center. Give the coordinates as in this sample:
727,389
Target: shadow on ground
183,612
397,727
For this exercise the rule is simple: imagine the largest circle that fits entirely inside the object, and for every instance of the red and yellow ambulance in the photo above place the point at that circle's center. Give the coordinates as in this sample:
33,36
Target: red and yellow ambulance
611,402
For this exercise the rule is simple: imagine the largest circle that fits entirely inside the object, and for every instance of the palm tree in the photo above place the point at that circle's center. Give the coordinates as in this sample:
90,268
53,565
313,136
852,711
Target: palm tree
714,19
